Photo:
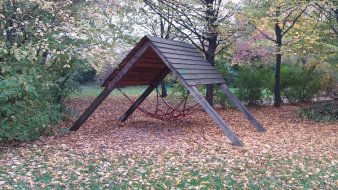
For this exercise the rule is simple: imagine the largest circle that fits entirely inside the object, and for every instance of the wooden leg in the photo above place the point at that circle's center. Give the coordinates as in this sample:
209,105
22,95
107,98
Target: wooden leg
91,109
137,103
242,108
145,94
214,115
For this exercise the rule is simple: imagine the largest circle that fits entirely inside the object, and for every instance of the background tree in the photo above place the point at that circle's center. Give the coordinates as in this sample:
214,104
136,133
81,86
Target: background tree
253,50
42,48
151,23
36,65
281,16
207,24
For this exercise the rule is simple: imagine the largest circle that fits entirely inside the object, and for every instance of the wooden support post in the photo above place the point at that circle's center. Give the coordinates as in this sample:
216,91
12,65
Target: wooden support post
91,109
214,115
242,108
110,87
145,94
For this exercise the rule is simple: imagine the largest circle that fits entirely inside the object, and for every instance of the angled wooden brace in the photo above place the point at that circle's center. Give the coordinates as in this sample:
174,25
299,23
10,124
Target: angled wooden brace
242,108
145,94
215,116
112,84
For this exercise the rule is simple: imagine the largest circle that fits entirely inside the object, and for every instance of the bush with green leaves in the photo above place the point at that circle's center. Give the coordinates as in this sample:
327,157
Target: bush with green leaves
27,106
31,98
252,82
37,66
301,83
86,75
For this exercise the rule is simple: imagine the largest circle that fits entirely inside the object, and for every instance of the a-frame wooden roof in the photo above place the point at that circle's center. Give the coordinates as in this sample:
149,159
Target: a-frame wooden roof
150,61
181,58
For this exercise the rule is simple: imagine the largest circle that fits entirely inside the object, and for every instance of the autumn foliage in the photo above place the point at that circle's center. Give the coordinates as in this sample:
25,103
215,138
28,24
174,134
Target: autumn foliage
189,154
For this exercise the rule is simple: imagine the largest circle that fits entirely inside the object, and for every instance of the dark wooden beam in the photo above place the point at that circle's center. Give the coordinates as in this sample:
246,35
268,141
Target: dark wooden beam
145,94
92,107
214,115
110,87
242,108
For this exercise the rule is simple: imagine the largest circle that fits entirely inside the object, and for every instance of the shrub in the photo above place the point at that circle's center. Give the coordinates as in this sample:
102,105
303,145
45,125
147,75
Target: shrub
321,112
252,82
85,76
36,66
27,106
300,83
31,98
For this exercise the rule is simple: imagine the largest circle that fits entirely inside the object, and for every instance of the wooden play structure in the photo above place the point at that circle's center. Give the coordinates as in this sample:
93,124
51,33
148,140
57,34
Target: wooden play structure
150,61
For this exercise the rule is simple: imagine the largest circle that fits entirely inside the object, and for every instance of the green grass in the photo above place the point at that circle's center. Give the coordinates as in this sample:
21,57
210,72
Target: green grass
90,172
94,91
326,112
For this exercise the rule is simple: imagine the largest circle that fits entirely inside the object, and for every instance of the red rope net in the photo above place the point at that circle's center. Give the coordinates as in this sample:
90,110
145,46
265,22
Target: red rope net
164,111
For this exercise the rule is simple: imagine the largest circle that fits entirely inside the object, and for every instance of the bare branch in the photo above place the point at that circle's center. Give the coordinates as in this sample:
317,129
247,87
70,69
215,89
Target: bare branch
294,21
263,33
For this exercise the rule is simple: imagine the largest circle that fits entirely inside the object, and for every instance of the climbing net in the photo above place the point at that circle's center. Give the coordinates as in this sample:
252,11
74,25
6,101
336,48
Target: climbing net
164,110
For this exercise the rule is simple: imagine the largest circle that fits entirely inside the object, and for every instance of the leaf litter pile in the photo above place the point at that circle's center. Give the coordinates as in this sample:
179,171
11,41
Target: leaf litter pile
192,153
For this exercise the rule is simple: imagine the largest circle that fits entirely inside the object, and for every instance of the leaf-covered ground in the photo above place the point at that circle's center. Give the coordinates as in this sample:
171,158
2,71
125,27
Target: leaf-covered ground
192,153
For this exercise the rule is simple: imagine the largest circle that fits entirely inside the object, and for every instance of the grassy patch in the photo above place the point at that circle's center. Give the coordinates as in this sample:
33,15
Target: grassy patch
92,172
94,91
321,112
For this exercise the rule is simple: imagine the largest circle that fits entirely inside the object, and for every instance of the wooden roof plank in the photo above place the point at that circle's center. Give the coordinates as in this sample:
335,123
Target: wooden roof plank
189,62
151,65
196,71
184,66
184,57
180,52
144,69
170,42
168,46
194,82
202,76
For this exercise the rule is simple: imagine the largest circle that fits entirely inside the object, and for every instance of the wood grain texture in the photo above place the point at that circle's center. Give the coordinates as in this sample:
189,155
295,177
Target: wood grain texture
170,42
186,59
202,76
186,66
195,82
179,52
196,71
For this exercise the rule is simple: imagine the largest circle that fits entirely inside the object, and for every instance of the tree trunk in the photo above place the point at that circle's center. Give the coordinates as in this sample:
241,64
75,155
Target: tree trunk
277,89
212,45
210,87
277,93
211,59
164,92
164,34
